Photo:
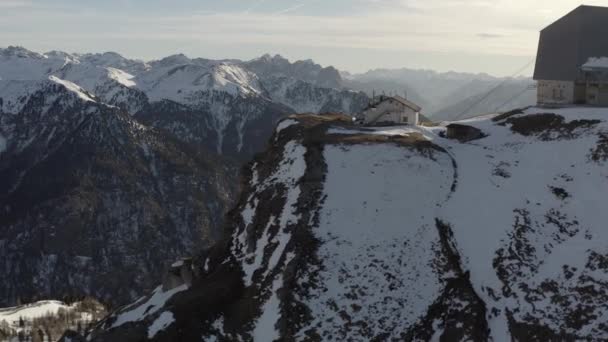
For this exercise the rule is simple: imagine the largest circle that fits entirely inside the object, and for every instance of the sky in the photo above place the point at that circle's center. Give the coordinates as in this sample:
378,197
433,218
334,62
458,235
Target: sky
498,37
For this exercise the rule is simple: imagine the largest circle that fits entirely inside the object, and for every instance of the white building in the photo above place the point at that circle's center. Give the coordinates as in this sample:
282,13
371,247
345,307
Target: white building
391,110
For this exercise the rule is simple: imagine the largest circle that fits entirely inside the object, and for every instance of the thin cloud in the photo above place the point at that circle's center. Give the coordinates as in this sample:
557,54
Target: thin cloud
501,27
289,9
254,6
6,4
489,35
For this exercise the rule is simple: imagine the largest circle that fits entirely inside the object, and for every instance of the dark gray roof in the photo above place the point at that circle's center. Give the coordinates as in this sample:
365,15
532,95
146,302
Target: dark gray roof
407,103
569,42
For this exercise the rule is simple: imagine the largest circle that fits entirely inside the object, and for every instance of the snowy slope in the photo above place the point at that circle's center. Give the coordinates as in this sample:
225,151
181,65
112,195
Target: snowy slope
371,254
35,310
347,233
53,316
31,311
20,64
537,236
182,82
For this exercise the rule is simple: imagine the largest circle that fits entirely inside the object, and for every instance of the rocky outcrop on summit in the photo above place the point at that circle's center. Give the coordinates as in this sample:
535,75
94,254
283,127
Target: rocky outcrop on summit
306,87
93,202
267,67
344,233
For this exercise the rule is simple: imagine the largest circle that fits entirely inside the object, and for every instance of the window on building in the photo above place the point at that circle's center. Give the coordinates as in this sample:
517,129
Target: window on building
561,93
404,119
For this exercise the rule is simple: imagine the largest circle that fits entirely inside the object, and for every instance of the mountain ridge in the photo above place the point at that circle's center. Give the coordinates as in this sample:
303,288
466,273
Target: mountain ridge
344,232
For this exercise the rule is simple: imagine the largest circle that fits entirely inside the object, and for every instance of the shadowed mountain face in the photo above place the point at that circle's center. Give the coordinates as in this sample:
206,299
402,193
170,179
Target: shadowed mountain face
95,203
348,233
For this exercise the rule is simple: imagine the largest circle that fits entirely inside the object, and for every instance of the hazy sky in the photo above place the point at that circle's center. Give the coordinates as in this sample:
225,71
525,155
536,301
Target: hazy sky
494,36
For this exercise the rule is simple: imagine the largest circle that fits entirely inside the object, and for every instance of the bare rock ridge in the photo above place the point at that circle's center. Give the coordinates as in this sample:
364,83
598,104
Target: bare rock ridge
391,234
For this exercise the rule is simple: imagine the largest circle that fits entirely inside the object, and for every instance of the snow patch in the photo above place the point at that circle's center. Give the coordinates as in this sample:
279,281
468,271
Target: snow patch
284,124
596,63
73,87
398,130
265,327
146,307
161,323
121,77
31,311
178,263
289,172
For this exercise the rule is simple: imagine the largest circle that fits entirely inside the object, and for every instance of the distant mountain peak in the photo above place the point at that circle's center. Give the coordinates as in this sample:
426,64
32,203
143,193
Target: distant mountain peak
19,51
177,59
268,58
61,55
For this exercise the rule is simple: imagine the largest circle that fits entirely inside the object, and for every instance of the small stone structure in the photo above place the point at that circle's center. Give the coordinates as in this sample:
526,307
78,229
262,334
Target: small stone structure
463,133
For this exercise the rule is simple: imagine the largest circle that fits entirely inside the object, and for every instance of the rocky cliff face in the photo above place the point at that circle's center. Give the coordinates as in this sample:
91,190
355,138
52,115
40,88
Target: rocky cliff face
92,201
232,126
344,233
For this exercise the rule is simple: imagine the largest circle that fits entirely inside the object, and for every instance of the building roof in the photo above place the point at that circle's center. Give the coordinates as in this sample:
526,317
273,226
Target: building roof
399,99
570,42
407,103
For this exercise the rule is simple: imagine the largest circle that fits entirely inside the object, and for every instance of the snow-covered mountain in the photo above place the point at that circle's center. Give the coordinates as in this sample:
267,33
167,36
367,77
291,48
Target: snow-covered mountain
350,234
305,86
276,67
217,103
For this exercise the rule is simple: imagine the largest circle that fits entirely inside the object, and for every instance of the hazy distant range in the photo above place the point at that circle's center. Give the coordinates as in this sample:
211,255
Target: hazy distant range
449,95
